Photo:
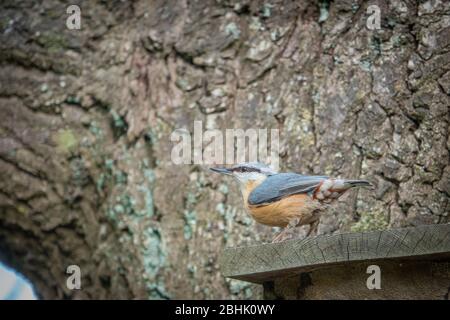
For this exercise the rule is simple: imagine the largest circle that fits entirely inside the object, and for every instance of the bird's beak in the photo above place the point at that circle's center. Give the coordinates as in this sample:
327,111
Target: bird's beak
221,170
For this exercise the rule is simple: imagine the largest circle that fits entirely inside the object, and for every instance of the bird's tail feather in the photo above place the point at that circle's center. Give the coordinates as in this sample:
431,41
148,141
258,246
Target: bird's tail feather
358,183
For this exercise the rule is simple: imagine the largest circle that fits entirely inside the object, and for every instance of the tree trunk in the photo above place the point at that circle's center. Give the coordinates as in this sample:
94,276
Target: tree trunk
86,176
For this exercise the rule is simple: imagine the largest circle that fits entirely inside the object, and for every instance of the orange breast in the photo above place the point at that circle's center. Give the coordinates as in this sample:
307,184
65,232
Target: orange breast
279,213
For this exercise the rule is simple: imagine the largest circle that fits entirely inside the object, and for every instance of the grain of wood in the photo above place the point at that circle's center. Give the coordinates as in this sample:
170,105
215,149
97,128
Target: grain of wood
268,261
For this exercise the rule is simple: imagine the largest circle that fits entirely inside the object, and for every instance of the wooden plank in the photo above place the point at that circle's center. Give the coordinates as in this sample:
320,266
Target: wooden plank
263,262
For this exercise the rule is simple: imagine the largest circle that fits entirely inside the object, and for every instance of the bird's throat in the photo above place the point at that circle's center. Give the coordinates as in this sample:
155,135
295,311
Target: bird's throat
248,187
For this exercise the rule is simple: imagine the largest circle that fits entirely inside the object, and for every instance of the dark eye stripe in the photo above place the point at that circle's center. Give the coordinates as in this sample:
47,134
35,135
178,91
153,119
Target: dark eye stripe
245,169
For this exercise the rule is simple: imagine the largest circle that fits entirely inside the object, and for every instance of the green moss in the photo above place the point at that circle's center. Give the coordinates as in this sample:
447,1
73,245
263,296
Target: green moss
150,137
370,221
223,188
192,269
246,220
119,208
157,291
154,255
255,24
124,205
233,30
220,208
95,129
182,84
22,209
125,211
146,189
73,100
44,87
324,7
65,140
80,176
316,97
267,10
236,287
190,221
399,40
52,41
227,212
154,259
248,293
191,199
391,23
375,45
120,176
149,209
365,64
149,175
275,35
109,164
337,60
119,124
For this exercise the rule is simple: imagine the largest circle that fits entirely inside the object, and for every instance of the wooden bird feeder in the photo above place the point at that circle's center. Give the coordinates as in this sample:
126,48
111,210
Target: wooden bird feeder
408,263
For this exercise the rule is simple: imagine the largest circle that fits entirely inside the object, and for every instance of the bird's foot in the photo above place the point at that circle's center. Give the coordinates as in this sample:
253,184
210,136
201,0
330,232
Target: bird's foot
313,229
287,232
282,236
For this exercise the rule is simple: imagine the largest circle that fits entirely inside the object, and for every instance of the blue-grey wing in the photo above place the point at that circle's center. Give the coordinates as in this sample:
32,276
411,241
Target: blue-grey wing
281,185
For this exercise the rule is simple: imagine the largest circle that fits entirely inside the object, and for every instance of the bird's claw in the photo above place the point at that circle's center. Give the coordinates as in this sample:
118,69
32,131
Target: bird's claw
282,236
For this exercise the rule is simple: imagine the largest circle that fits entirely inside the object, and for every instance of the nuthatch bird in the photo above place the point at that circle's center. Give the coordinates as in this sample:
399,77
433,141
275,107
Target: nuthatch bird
287,200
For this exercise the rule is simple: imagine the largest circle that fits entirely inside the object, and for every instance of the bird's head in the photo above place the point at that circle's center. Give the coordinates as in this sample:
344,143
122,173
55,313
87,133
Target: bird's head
245,172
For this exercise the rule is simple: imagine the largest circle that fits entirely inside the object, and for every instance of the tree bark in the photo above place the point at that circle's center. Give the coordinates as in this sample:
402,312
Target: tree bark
86,116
